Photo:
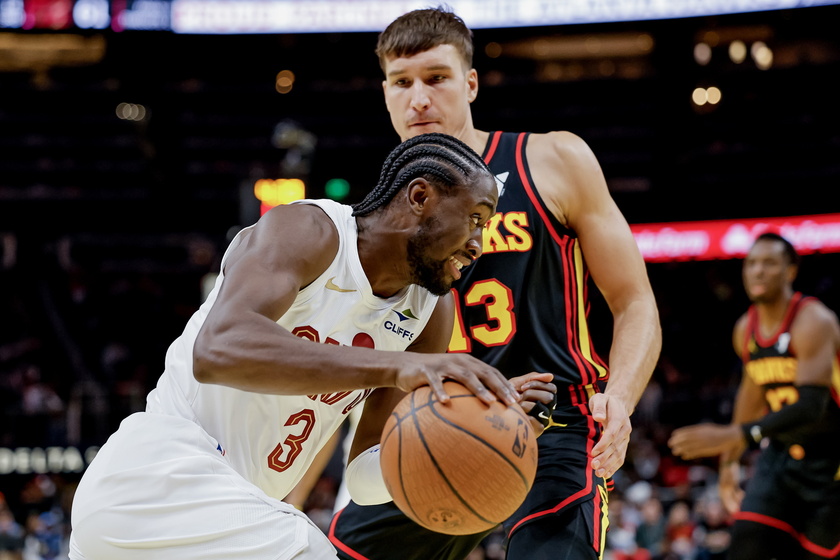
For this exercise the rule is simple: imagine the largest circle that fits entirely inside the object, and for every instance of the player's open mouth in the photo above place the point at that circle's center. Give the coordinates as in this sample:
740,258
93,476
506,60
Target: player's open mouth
455,267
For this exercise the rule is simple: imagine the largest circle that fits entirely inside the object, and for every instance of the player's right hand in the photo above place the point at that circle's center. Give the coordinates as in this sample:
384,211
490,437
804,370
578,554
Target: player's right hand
485,381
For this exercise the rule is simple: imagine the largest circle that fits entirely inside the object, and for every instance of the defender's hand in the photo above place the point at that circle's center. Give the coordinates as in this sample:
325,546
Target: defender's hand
539,397
609,453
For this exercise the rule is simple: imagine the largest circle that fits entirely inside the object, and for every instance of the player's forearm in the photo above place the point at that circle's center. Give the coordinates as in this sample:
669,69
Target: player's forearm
273,361
812,403
637,341
732,455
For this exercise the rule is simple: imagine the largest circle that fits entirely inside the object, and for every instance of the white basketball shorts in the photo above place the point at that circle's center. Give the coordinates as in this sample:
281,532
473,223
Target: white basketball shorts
159,489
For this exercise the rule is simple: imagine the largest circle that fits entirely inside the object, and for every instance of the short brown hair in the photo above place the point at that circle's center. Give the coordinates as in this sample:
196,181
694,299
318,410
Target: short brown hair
420,30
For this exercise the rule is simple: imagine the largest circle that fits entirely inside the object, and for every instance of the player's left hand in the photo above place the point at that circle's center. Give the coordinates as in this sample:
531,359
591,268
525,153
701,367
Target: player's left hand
609,453
536,388
704,440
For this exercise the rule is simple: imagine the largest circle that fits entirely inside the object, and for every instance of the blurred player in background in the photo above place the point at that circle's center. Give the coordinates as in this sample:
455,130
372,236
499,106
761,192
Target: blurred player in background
524,306
789,401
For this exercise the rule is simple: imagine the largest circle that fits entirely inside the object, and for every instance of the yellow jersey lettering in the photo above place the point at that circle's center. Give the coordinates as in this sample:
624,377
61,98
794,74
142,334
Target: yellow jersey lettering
507,233
772,370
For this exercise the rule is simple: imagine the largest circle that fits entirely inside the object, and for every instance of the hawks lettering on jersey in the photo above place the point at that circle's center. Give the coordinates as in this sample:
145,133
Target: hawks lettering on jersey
772,370
507,232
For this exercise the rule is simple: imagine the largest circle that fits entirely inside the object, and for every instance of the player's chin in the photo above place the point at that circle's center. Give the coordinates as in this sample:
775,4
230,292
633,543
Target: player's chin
439,288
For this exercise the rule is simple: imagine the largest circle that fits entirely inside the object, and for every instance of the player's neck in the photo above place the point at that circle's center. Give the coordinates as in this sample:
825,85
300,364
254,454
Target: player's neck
772,313
475,139
386,276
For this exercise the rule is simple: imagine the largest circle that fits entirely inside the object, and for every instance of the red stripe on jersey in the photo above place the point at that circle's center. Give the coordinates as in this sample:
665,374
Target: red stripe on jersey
491,151
587,372
340,545
520,166
570,282
786,527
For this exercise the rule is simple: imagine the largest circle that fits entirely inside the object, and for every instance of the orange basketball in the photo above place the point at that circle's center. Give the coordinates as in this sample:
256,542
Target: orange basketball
457,468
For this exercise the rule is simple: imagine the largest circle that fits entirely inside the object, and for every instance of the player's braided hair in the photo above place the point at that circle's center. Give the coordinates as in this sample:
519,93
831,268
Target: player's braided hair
443,160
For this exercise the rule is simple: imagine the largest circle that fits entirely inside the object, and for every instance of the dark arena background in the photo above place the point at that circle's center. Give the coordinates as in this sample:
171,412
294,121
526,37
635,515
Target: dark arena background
132,147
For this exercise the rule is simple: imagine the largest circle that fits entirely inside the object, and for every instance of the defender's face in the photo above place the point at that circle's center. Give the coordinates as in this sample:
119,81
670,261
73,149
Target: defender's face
450,236
766,271
430,92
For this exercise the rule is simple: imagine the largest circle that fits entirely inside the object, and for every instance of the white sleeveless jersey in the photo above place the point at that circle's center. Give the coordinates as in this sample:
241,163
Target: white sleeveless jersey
272,439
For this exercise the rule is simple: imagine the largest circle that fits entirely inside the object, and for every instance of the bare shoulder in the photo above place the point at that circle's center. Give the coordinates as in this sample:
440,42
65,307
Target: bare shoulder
816,318
277,240
566,173
559,149
305,218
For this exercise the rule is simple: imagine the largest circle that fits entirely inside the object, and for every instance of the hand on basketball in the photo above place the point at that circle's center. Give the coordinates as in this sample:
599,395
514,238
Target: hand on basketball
486,382
609,453
536,388
704,440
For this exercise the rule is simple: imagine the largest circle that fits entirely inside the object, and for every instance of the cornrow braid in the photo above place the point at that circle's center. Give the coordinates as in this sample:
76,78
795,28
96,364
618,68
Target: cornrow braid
443,160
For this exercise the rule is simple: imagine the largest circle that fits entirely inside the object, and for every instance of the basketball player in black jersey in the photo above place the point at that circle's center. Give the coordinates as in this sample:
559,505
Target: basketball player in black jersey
789,396
523,306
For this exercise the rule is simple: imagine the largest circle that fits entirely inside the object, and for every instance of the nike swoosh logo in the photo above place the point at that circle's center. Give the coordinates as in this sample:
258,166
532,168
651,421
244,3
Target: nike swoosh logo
543,415
332,286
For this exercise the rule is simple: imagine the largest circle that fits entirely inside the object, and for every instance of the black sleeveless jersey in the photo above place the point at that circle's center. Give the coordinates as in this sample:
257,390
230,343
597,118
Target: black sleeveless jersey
523,305
770,362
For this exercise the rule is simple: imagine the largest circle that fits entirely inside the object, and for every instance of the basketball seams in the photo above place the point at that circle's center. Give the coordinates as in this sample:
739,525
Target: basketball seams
420,467
434,460
481,440
399,455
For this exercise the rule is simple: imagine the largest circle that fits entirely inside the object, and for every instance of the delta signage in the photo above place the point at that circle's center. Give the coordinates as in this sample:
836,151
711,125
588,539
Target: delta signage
731,239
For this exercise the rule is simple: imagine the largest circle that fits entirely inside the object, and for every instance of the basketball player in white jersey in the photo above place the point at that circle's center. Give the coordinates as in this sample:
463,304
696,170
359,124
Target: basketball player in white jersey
248,396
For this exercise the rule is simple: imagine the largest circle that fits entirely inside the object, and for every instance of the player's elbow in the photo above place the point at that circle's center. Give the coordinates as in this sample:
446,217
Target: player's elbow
206,361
